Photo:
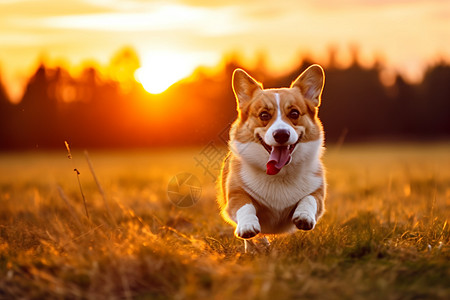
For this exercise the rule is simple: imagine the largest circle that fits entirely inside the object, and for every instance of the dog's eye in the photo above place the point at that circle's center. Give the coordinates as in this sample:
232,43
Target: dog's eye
265,116
294,114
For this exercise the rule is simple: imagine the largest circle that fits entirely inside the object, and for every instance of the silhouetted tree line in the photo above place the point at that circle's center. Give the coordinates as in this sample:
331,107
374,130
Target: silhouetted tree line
91,111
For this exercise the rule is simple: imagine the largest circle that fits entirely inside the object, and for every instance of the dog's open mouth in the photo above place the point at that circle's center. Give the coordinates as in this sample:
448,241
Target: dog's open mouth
279,156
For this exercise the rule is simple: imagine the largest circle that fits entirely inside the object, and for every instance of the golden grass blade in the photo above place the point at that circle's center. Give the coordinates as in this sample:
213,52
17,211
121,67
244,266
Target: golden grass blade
78,178
99,187
69,206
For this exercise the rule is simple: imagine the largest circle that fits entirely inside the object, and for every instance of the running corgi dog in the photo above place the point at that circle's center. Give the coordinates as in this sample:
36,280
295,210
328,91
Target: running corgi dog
272,180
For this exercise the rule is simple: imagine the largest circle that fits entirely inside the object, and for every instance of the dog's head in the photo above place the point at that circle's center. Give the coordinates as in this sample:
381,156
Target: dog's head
277,120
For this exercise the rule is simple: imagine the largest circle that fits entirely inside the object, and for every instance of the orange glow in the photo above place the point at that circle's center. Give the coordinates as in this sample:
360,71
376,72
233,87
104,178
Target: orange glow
409,34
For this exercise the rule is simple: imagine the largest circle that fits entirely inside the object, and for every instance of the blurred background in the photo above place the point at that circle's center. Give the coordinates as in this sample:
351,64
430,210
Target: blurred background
131,74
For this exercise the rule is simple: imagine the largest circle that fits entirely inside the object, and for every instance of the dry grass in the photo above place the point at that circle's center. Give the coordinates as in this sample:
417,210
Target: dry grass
385,234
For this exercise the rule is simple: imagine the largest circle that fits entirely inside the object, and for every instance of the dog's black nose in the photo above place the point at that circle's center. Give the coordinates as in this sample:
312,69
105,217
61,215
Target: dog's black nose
281,136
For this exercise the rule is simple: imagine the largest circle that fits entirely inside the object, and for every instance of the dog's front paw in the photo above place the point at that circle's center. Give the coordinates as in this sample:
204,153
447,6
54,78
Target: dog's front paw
304,221
247,230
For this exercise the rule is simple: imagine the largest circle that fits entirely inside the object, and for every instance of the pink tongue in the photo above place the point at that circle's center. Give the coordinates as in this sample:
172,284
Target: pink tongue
279,157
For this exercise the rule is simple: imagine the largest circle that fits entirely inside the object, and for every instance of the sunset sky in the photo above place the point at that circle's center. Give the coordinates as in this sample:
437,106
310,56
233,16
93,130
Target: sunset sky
182,34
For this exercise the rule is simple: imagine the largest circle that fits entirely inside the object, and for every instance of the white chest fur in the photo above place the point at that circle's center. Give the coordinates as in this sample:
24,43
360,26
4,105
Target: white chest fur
294,182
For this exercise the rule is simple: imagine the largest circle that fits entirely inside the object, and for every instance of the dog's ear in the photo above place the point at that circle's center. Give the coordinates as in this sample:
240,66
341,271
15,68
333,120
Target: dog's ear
244,86
311,83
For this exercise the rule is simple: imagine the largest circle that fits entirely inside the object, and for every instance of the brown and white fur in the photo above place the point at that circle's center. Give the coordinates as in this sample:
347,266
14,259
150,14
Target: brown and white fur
281,125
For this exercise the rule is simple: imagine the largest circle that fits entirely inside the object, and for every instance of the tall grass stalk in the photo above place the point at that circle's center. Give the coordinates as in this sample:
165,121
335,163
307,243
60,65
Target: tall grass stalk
99,187
69,155
69,206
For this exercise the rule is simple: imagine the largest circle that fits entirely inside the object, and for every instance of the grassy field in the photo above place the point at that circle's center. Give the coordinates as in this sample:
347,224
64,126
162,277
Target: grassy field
385,234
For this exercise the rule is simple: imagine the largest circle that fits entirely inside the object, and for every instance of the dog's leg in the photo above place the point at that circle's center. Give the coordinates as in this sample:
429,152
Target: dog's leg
246,245
310,209
247,222
257,245
304,216
264,241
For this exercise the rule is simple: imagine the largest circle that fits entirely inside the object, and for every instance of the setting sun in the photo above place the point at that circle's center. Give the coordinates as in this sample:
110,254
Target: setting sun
161,70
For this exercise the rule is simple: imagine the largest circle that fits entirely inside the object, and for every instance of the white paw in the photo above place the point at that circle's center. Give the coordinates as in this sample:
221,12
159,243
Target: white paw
247,222
303,220
247,230
305,214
